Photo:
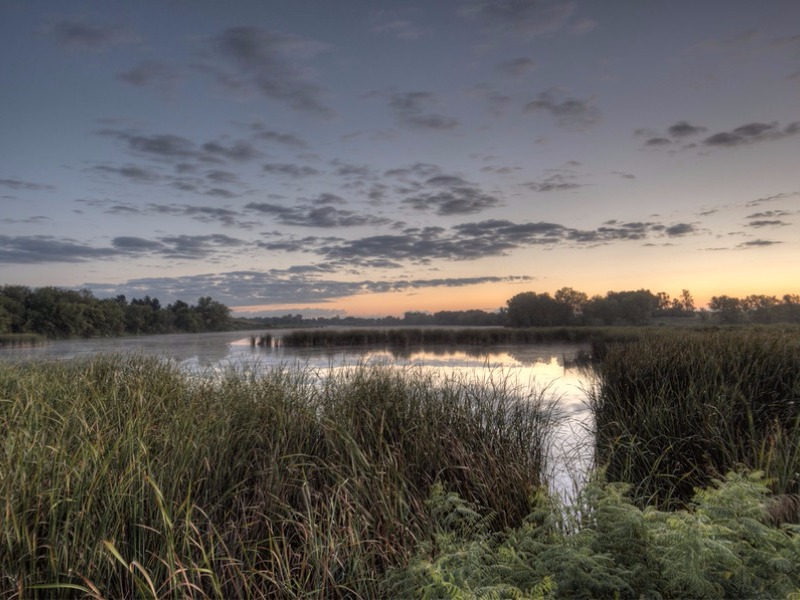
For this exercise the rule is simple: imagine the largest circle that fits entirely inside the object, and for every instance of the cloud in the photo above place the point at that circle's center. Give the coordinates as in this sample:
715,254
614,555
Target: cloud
757,243
570,113
680,229
517,67
781,196
752,133
35,249
557,182
684,128
276,286
767,223
270,63
151,73
523,19
136,244
239,151
261,132
295,171
196,247
323,216
456,200
496,102
411,109
658,141
131,172
18,184
80,35
767,214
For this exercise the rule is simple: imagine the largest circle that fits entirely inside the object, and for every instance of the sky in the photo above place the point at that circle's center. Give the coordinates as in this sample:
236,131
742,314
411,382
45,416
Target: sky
367,158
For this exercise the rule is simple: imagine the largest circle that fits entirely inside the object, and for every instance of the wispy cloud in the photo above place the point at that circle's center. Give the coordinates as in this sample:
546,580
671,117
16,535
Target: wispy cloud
270,63
75,34
569,113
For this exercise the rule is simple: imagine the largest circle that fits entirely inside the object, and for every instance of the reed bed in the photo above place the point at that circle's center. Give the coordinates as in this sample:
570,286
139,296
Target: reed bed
125,477
678,408
454,336
21,340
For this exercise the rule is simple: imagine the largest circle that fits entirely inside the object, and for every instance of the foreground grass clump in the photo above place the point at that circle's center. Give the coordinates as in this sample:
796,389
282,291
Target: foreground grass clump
721,547
678,408
124,477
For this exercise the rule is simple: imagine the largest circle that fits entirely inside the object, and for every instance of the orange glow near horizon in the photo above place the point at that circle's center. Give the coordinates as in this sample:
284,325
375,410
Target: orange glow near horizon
491,297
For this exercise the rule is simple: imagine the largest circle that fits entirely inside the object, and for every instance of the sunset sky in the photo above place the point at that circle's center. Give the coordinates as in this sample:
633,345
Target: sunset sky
359,157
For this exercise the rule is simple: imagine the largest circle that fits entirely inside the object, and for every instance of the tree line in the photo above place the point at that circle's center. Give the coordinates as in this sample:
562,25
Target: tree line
61,313
571,307
640,307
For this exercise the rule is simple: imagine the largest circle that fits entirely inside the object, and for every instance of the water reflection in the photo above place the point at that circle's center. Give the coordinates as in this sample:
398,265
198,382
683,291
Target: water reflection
558,367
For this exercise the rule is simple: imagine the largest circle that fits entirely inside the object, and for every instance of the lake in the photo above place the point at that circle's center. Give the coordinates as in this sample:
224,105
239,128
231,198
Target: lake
540,365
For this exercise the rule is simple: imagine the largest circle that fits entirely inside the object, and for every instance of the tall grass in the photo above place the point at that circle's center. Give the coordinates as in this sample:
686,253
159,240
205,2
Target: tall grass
124,477
454,336
678,408
21,340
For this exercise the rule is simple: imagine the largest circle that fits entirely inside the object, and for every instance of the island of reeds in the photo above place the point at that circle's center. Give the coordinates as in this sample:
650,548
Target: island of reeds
126,478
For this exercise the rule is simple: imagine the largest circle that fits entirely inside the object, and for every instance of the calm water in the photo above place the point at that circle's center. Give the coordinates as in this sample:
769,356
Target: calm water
534,366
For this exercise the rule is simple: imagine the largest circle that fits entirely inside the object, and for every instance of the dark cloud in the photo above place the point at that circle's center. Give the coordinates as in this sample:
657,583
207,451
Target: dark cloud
680,229
417,170
239,151
136,244
345,169
295,171
220,193
774,197
493,237
556,182
683,129
276,286
328,198
411,109
35,249
152,73
658,141
261,132
768,214
523,19
220,176
767,223
457,200
80,35
500,170
130,172
497,103
159,145
204,214
35,220
18,184
270,63
757,243
196,247
517,67
316,216
624,175
752,133
570,113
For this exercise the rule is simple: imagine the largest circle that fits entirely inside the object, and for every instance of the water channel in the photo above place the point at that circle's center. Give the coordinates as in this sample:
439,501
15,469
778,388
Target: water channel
550,366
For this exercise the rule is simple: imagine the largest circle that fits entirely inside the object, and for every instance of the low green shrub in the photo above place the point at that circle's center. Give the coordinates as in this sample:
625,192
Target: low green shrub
722,546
